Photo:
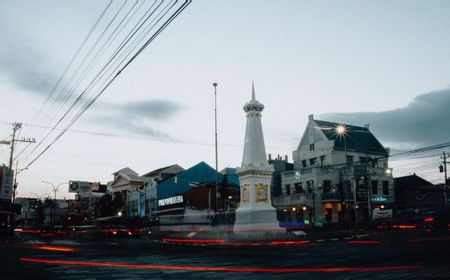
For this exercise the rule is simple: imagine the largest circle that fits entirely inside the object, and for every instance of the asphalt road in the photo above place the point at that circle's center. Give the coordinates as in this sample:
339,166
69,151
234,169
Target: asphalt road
384,257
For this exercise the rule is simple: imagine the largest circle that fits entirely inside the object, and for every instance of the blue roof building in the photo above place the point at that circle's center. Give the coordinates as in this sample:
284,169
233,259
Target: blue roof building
200,173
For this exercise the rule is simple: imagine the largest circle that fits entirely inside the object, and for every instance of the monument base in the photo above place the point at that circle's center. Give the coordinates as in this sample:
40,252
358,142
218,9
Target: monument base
257,220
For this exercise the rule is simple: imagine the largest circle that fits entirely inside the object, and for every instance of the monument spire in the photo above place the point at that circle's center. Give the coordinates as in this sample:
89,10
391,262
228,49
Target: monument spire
253,90
254,156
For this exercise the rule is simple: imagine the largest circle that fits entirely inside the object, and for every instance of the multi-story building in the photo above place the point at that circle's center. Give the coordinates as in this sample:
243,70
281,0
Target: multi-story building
135,195
340,175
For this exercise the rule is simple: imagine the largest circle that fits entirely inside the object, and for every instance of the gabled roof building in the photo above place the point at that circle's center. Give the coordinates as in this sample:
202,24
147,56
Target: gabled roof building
340,175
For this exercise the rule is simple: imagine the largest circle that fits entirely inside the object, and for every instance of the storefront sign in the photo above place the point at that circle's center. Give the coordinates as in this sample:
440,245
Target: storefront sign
6,177
170,200
379,198
382,214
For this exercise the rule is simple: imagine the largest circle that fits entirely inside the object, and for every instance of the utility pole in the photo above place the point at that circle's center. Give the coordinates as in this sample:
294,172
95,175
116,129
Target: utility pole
16,127
443,168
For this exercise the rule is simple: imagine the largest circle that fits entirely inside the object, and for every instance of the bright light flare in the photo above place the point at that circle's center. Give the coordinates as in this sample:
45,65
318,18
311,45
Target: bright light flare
341,130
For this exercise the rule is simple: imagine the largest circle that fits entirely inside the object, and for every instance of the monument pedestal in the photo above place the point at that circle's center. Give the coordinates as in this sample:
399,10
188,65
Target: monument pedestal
262,219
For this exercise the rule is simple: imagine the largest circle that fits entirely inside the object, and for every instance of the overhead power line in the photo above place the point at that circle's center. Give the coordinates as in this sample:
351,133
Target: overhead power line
109,78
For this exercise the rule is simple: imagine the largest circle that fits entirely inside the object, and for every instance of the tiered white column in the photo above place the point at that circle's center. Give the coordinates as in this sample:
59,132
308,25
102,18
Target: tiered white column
255,211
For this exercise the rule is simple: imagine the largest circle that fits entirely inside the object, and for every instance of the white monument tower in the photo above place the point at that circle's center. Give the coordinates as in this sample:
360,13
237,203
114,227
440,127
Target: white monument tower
255,211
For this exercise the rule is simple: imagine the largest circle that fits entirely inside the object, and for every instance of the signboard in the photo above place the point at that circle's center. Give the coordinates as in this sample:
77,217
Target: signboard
382,214
80,187
6,178
170,200
379,198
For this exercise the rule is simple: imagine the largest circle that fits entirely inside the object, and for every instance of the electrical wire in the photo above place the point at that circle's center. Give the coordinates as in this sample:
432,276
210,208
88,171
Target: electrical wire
114,76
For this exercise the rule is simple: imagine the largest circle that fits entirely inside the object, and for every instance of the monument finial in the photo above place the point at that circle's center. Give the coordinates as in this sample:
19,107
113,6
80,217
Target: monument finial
253,90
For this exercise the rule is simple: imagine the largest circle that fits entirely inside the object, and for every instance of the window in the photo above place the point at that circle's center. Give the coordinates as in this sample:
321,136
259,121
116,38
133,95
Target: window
311,147
304,163
298,187
326,186
322,160
288,189
374,186
385,188
362,160
312,161
350,160
375,162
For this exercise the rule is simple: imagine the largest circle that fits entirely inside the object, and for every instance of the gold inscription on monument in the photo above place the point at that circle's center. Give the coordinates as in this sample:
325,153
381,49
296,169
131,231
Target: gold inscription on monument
261,192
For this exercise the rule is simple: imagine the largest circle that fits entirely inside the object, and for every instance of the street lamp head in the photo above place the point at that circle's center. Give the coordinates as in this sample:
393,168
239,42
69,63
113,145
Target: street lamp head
215,84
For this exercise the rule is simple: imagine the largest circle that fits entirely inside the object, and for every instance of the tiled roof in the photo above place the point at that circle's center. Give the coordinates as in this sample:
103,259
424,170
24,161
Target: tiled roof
356,138
156,171
411,182
200,173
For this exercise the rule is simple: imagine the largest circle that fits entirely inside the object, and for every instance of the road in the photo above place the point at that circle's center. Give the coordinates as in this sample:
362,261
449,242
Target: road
383,257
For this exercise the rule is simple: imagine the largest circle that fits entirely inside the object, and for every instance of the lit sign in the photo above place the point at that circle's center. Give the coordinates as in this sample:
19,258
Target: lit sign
170,200
382,214
379,199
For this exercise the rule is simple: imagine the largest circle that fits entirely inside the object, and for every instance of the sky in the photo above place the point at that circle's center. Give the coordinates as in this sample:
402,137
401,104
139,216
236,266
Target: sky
386,63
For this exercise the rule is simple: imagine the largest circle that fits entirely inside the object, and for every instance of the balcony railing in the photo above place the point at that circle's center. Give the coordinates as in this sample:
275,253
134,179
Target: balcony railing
292,199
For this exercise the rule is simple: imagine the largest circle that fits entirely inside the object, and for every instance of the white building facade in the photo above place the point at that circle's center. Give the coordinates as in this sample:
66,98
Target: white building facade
341,175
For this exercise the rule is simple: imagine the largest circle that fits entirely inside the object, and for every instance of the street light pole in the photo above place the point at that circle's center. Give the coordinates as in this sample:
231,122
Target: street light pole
215,134
54,189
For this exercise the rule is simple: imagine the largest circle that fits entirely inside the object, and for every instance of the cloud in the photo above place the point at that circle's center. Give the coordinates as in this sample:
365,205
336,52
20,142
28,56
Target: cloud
23,65
152,109
424,121
132,126
133,117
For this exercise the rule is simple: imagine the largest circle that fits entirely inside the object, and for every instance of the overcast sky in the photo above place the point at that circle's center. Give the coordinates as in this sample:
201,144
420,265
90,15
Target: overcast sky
386,63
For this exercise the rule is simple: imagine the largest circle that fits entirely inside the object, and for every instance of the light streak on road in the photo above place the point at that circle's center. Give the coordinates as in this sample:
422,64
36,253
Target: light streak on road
222,269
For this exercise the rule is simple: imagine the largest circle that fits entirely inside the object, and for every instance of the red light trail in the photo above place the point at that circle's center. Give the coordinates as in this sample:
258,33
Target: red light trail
222,269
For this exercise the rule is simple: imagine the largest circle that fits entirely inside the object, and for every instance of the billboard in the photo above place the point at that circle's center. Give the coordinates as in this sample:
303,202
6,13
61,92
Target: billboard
86,187
80,187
